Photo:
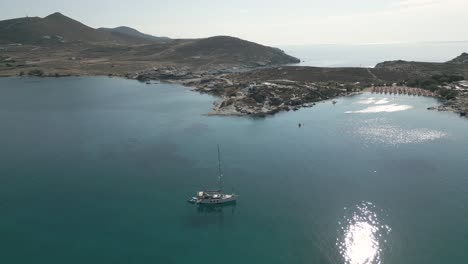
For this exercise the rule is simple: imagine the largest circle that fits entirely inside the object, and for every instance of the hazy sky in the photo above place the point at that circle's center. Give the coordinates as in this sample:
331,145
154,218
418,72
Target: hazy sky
272,22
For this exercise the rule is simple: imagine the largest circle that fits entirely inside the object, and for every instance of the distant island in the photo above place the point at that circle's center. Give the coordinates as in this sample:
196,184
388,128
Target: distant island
249,78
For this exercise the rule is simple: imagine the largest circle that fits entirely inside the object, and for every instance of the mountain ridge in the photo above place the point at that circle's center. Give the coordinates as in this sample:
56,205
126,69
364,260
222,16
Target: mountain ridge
58,28
56,38
133,32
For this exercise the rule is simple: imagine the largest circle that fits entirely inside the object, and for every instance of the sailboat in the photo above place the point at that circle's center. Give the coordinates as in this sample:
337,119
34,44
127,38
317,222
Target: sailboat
214,196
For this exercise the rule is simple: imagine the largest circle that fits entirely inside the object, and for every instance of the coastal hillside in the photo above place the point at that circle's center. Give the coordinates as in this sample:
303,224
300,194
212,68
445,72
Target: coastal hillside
57,44
58,29
462,59
426,69
225,47
223,51
128,31
318,74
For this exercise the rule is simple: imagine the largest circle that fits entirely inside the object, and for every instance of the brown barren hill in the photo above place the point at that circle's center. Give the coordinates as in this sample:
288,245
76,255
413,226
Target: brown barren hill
58,44
58,28
223,51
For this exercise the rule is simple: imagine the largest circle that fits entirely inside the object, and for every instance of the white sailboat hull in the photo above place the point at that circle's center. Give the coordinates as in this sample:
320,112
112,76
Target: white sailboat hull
214,196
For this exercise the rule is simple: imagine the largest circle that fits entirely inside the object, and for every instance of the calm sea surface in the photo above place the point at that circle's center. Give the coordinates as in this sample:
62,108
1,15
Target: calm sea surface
371,54
98,170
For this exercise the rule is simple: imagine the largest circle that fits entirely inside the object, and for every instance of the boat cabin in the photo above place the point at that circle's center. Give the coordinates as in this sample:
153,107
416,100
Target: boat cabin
209,195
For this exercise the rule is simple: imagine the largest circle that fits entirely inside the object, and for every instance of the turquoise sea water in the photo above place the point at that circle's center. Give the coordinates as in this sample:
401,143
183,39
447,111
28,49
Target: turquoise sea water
98,170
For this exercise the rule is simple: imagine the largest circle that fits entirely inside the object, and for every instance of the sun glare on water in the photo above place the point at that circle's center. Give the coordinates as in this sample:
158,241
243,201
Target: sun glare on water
381,131
382,107
362,235
373,100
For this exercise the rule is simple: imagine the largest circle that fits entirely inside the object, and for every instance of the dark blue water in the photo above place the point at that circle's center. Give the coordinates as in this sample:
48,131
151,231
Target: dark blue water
98,170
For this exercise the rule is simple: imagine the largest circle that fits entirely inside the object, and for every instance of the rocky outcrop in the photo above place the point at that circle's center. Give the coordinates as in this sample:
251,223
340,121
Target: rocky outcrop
457,105
462,59
239,97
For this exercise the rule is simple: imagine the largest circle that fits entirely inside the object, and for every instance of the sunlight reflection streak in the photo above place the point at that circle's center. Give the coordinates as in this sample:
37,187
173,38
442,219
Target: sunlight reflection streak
363,236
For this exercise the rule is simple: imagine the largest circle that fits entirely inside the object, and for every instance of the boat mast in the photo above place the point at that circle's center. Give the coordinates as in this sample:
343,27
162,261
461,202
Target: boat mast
220,174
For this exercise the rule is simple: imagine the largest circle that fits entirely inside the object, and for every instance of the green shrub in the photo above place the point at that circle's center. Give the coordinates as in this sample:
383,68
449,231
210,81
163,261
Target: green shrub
447,93
434,81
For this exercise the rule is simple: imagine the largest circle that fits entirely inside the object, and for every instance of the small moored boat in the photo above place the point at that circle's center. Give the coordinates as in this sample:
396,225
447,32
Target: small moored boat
214,197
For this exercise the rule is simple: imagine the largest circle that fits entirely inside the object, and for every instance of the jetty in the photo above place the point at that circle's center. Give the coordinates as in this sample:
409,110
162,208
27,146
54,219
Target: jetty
401,90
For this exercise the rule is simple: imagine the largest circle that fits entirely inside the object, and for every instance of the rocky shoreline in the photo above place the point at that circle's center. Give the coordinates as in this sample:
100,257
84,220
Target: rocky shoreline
238,97
240,94
266,91
458,105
